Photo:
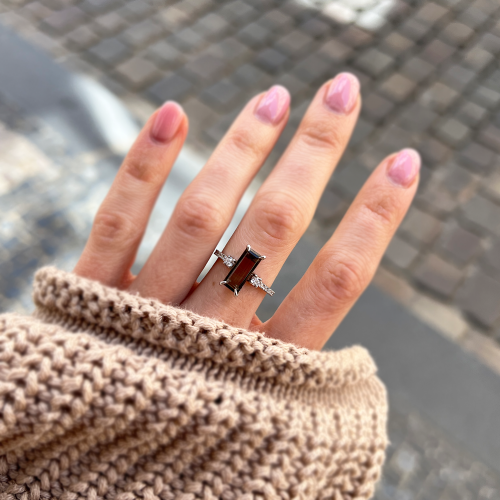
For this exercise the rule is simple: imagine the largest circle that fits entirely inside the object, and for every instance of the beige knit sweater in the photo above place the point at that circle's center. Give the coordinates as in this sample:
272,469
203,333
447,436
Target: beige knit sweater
105,394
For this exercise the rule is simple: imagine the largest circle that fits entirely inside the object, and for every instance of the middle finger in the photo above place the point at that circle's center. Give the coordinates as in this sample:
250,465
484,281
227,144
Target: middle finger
285,204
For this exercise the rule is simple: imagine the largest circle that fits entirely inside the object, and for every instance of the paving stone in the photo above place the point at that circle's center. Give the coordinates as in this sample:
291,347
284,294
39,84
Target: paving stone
271,61
374,62
186,39
414,29
458,77
479,297
312,69
142,34
477,58
197,112
294,44
477,158
232,50
438,275
471,113
361,132
459,245
435,197
35,11
255,35
396,44
491,43
173,87
473,17
452,132
136,10
109,52
331,207
173,18
400,254
437,52
205,68
491,259
485,96
98,7
138,72
82,38
350,179
397,87
431,13
221,95
315,27
439,97
335,51
293,84
375,107
250,76
420,227
457,34
355,37
416,118
394,138
483,214
237,12
276,21
63,21
212,26
164,54
109,24
490,137
417,69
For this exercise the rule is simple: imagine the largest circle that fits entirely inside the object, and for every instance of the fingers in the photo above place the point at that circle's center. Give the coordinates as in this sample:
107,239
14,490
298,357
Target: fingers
207,206
122,217
286,202
346,264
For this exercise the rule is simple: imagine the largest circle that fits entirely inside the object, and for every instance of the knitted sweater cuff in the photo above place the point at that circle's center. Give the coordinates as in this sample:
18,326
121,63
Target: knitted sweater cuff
259,417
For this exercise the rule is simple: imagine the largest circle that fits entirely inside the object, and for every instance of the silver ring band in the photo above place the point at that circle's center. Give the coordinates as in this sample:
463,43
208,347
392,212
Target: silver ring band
254,280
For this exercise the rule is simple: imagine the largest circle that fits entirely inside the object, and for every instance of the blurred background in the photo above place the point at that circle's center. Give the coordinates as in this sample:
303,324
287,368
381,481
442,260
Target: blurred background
78,78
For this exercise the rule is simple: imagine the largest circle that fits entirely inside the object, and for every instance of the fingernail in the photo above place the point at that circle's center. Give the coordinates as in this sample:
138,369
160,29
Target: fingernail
167,122
273,105
343,93
404,168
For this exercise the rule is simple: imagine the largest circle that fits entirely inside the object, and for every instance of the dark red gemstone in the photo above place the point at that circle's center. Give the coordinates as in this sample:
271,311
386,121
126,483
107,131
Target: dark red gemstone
240,272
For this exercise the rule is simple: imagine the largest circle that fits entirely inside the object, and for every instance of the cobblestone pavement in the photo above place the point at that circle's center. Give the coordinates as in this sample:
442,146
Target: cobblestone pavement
423,463
430,79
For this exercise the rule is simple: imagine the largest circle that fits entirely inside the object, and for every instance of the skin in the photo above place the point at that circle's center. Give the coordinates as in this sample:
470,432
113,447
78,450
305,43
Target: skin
278,216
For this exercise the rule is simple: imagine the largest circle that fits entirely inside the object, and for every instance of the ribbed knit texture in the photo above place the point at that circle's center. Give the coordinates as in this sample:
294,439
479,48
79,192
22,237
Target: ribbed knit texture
106,394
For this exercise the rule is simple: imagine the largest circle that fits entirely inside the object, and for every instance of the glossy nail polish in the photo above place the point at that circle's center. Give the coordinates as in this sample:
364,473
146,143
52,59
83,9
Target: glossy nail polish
273,105
167,122
342,93
404,167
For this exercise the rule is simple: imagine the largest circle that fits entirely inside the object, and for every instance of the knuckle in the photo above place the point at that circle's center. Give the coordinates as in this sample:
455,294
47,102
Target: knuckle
243,141
382,209
139,168
343,281
320,135
198,216
113,227
280,218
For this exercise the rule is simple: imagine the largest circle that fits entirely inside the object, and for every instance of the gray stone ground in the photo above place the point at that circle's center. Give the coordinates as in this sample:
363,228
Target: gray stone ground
430,79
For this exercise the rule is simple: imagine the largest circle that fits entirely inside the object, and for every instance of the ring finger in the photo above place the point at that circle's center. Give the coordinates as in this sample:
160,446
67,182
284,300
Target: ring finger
286,202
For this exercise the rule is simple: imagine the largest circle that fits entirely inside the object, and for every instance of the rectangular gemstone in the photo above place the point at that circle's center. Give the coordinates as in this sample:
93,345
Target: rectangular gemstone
244,266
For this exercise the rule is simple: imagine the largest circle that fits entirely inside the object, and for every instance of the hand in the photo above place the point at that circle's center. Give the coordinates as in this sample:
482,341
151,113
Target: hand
276,219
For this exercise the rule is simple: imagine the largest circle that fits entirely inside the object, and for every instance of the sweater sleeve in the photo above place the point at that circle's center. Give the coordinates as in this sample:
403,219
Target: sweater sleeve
109,395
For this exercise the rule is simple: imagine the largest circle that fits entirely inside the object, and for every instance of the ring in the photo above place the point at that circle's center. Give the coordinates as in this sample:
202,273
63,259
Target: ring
242,270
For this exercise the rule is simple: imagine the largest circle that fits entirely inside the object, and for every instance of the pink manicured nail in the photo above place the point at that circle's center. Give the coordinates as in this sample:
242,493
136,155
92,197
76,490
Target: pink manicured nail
167,122
343,93
273,105
404,168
